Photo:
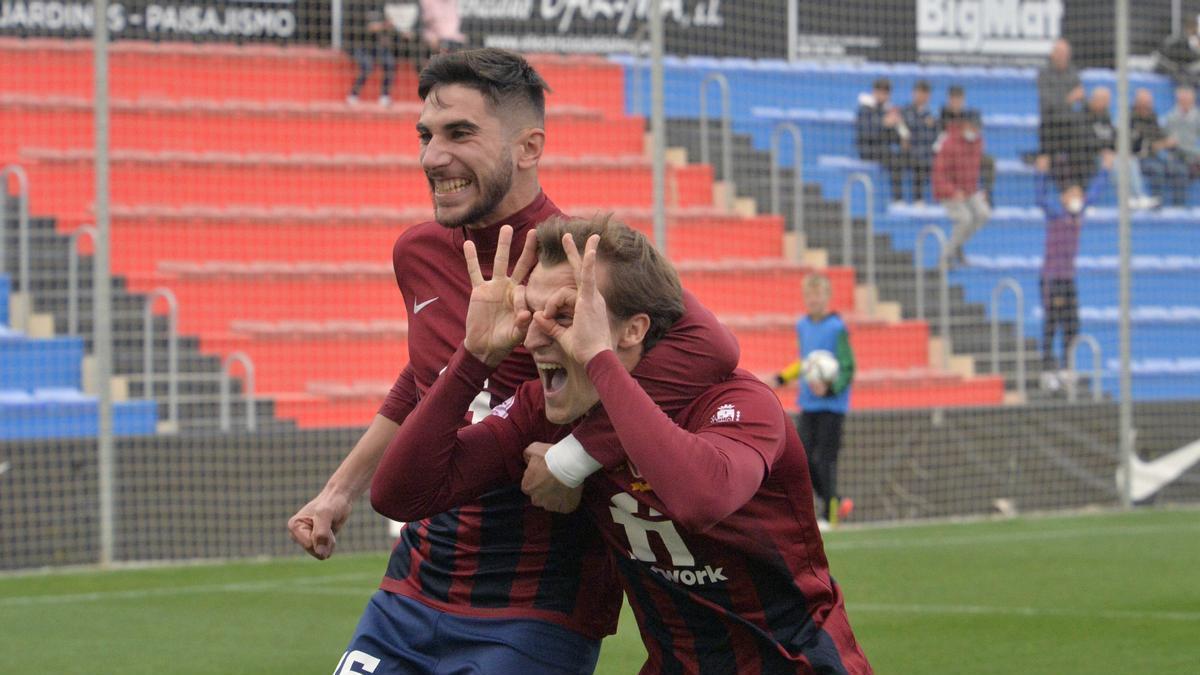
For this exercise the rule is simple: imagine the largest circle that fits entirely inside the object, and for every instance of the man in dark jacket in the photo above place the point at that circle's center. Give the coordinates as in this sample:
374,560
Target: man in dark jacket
880,131
923,128
371,40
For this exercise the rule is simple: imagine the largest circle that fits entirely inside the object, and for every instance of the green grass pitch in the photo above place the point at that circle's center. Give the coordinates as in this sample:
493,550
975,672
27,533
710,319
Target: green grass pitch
1104,593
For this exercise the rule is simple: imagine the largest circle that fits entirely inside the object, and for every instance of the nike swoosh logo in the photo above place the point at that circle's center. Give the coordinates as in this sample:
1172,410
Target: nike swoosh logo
417,307
1150,477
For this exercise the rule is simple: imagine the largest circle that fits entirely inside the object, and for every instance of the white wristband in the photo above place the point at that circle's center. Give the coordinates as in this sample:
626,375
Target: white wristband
570,463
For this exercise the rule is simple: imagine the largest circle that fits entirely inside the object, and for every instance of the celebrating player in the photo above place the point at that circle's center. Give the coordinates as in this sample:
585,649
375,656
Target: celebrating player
710,518
498,577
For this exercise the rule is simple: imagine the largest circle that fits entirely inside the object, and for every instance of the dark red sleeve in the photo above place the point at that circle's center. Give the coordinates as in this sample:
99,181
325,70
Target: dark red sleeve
696,353
401,398
702,476
435,463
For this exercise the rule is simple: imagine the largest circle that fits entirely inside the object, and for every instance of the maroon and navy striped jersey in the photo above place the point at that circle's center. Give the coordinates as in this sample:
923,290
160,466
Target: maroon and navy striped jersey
710,520
498,556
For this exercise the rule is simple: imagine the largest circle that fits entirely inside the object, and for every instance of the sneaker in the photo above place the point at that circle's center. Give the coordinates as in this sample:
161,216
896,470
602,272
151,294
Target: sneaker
845,508
352,99
385,101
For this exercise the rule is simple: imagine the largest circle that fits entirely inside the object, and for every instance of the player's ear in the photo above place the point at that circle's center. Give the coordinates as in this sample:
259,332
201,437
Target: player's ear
529,144
633,331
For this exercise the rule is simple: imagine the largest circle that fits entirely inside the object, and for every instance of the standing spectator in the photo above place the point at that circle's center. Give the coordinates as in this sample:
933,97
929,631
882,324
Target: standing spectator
956,182
923,131
1060,300
880,131
370,41
823,404
956,108
1183,124
1168,173
1179,55
1059,90
1104,140
440,26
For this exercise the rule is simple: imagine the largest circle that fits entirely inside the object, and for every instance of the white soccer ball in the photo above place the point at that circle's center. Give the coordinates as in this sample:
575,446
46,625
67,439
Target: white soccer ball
820,366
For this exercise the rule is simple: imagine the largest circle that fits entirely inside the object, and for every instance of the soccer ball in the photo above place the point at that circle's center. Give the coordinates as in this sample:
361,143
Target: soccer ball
820,366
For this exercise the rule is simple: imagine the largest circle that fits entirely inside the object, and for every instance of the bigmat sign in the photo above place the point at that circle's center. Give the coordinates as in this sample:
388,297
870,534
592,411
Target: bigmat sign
226,20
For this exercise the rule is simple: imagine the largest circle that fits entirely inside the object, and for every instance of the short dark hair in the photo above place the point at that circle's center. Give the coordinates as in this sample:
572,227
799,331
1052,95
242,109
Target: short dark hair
922,85
504,78
956,90
640,280
882,84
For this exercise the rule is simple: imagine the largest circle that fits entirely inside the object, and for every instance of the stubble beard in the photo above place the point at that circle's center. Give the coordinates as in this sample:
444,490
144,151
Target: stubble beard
493,190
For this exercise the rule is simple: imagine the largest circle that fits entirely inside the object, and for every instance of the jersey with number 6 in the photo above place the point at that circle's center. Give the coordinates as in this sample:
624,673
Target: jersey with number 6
750,594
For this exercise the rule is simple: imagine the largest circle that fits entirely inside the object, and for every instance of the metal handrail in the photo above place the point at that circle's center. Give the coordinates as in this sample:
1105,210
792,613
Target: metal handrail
797,179
944,295
726,125
1072,371
73,277
1019,296
847,233
225,404
22,223
172,350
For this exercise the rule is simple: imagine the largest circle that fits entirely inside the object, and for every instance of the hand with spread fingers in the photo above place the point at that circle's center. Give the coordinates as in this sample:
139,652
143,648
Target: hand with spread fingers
497,317
589,332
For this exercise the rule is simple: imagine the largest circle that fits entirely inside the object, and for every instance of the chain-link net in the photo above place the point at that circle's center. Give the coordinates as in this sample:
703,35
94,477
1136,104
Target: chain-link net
263,160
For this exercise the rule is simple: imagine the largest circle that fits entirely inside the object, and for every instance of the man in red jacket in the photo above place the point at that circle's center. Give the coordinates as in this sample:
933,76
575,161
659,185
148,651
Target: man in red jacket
956,181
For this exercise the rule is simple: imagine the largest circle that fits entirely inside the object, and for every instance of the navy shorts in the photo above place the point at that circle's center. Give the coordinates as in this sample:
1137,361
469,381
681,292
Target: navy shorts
401,636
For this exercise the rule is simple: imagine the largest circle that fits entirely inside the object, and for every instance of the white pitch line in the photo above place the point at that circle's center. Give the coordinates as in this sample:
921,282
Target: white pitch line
981,610
166,591
1004,537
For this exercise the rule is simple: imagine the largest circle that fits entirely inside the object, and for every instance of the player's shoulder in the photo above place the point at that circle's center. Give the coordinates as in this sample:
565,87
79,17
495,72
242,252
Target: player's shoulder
423,234
740,398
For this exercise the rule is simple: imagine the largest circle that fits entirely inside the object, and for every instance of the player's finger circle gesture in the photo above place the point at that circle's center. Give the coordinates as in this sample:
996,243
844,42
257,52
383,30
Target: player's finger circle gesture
497,317
589,332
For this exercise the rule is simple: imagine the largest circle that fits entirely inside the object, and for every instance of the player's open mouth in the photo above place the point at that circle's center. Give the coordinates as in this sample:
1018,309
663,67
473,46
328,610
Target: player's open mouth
554,377
450,186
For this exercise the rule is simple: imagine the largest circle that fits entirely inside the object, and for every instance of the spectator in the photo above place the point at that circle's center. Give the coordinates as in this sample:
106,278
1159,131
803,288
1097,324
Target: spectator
1183,125
1060,300
923,131
823,403
370,41
956,182
440,26
880,131
956,107
1168,173
1059,91
1179,55
1104,140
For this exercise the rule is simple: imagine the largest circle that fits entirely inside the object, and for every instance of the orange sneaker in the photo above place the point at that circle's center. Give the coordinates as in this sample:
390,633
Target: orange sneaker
845,508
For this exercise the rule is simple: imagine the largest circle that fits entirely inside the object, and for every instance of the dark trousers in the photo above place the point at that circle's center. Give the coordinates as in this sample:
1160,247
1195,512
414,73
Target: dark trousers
821,434
1168,177
1060,307
893,163
920,167
367,58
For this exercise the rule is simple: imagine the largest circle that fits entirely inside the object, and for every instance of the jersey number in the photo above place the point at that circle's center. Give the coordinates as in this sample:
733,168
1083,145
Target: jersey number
624,512
356,658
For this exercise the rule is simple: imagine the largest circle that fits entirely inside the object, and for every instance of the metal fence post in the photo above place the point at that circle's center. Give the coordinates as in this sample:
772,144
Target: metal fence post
172,351
1018,296
797,179
944,294
226,421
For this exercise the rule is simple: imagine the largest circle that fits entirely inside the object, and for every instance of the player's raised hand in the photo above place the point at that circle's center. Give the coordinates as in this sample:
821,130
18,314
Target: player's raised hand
497,317
543,488
589,332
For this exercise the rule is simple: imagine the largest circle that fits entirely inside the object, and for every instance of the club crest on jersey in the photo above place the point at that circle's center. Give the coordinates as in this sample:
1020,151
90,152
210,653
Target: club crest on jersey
726,413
